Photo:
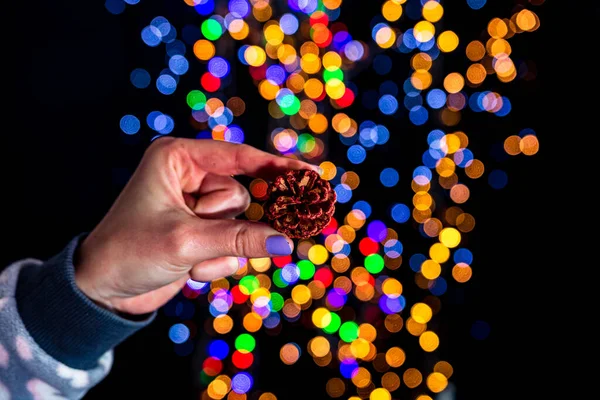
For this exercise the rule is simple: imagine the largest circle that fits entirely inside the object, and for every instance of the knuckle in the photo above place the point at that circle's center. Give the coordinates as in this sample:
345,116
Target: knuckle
242,240
241,150
161,145
241,198
179,241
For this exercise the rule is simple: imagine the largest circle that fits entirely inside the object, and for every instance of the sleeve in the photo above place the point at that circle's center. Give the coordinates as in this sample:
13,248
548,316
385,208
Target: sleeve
55,343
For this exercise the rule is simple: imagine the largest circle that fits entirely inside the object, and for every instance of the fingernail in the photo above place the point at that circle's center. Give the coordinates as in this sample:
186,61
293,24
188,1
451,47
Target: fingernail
278,246
317,169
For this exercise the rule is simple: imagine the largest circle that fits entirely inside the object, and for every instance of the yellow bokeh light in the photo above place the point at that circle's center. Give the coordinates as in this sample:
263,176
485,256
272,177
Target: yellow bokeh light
332,61
436,382
332,4
335,88
380,394
429,341
260,264
391,11
497,28
433,11
318,123
367,332
310,63
319,346
395,357
421,79
361,377
239,29
454,82
321,317
359,348
222,324
204,50
273,34
385,37
439,253
421,313
445,167
318,254
391,287
527,20
329,170
422,201
286,54
301,294
424,31
421,61
252,322
447,41
431,269
450,237
255,56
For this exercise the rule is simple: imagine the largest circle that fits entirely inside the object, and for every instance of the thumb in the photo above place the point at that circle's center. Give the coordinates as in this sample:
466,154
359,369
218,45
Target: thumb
222,238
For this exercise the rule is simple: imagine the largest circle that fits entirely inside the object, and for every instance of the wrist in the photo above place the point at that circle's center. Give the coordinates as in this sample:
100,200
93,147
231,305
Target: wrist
85,281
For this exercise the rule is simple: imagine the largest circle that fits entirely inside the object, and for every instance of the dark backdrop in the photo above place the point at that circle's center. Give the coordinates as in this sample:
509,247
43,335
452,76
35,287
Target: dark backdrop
67,86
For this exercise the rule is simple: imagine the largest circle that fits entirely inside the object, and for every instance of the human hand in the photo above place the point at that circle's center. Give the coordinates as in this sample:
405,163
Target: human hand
174,221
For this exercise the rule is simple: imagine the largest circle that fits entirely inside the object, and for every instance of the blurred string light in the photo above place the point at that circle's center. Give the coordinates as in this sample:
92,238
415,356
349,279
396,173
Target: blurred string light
301,58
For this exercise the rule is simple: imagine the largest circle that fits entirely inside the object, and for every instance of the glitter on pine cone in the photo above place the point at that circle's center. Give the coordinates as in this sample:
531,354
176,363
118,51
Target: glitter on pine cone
300,204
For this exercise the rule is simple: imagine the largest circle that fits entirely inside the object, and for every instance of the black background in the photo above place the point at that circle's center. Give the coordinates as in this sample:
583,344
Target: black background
67,86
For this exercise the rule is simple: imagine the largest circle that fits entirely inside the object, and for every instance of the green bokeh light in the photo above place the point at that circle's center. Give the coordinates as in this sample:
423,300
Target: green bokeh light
349,331
374,263
245,343
306,143
307,269
334,324
277,301
250,283
196,100
292,108
335,74
211,29
277,280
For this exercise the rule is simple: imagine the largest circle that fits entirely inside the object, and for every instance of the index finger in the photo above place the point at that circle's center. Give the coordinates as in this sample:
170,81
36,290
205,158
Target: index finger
224,158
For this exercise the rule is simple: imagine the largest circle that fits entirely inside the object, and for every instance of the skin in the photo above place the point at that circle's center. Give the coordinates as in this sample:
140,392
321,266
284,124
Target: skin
174,221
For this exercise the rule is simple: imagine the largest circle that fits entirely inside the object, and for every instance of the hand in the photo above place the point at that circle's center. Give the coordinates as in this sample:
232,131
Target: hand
174,221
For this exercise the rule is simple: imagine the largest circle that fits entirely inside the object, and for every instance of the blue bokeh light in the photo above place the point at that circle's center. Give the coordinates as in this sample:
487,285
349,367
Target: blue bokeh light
389,177
129,124
178,64
400,213
356,154
179,333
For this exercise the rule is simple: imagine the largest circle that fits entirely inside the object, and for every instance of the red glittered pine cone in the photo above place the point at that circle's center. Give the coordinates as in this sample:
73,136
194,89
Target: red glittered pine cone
300,204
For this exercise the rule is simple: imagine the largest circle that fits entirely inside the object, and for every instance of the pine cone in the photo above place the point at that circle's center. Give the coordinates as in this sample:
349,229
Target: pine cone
300,204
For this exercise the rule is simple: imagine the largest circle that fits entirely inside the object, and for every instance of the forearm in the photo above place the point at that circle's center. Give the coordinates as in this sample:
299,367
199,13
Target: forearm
53,339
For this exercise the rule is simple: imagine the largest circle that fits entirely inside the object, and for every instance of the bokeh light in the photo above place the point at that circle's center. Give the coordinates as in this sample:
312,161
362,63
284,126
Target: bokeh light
346,287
